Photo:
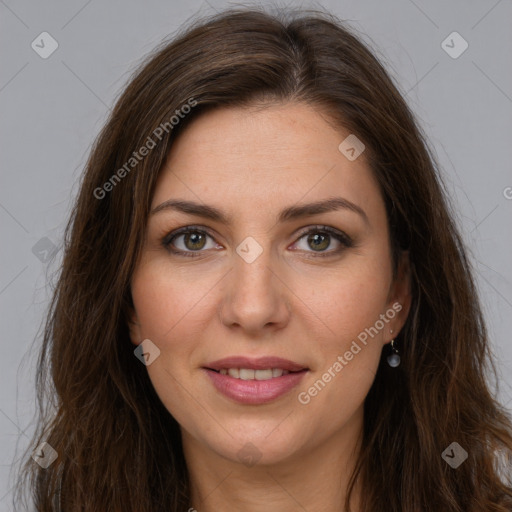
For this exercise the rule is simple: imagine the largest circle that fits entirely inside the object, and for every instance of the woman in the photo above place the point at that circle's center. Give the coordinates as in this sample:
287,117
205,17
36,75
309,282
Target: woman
264,303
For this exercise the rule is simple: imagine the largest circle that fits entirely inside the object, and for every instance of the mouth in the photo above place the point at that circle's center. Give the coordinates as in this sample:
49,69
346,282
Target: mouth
254,381
252,374
267,363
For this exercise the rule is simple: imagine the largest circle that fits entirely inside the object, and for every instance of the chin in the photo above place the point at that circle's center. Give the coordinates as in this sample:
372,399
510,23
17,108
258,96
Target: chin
258,448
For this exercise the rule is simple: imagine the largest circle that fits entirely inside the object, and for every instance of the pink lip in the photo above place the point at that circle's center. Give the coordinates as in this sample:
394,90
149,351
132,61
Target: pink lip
255,392
260,363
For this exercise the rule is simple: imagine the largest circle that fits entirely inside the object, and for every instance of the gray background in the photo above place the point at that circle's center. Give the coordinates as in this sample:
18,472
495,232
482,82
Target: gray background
53,108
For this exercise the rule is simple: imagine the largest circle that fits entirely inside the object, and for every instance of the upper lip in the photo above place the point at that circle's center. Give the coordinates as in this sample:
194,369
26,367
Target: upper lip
260,363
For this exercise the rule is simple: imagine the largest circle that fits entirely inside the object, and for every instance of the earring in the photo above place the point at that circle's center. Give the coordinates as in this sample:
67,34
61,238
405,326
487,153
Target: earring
394,358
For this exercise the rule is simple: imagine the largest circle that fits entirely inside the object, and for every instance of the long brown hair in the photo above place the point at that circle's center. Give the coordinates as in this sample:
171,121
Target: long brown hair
118,448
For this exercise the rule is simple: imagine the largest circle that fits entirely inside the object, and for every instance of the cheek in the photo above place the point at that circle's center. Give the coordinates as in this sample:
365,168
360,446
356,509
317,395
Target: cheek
349,339
166,304
347,301
169,314
347,359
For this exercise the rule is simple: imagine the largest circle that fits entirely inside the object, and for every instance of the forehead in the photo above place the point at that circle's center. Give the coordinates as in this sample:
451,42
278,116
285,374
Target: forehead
246,159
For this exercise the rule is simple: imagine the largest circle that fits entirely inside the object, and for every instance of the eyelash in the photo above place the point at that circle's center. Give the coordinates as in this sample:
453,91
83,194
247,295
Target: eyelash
341,237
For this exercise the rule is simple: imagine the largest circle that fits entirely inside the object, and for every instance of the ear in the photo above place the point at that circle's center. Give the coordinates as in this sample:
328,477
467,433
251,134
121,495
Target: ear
399,298
134,327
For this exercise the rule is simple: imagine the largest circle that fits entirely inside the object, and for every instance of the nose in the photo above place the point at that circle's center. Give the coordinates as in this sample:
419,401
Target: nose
255,299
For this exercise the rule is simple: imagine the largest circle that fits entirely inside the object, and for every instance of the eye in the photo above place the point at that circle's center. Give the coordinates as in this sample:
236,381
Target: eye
320,238
188,240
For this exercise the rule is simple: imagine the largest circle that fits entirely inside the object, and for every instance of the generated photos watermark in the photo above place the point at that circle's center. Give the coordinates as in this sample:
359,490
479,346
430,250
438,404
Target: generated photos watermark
304,397
45,455
249,455
145,149
146,352
454,455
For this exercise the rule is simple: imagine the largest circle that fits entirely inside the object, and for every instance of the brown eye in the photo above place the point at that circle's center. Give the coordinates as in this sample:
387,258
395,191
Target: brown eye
188,241
319,241
194,241
320,238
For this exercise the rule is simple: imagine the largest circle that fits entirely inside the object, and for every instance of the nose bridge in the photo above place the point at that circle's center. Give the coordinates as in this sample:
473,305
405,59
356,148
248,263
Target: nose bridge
252,266
256,297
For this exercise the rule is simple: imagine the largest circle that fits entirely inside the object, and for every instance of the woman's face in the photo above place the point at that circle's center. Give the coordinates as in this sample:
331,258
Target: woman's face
267,281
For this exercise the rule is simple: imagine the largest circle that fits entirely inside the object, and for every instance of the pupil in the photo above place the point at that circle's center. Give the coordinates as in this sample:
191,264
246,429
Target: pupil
195,240
319,241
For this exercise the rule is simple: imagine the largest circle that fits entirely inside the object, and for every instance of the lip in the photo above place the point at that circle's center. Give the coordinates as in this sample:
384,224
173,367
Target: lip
260,363
254,392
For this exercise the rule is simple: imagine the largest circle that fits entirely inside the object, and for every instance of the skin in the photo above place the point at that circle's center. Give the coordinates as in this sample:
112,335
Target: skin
289,303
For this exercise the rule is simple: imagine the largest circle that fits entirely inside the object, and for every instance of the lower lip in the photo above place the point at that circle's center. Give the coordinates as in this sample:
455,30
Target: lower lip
254,392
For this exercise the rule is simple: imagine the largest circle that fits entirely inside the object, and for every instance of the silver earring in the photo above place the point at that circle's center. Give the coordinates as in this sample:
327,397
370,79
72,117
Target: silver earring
394,358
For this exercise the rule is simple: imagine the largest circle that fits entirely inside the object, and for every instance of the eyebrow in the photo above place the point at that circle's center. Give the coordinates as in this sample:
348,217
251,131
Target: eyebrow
288,214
